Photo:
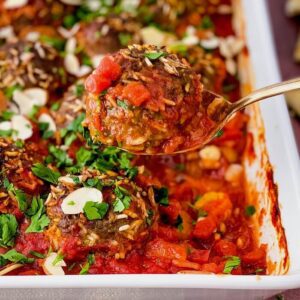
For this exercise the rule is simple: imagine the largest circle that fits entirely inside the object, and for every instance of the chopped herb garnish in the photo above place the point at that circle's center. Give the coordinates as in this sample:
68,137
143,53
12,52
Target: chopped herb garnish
7,115
6,133
86,60
124,38
94,210
62,158
155,55
178,48
207,23
9,91
122,199
59,257
19,194
219,133
37,254
250,210
79,90
83,156
150,217
19,143
55,42
33,113
179,223
232,263
69,21
45,173
16,257
122,104
55,106
87,265
8,230
39,220
161,196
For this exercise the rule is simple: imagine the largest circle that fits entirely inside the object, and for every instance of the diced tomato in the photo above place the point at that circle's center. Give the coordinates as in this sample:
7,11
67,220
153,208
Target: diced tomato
199,256
225,248
210,268
171,211
254,256
108,68
204,228
136,93
168,233
96,84
73,250
163,249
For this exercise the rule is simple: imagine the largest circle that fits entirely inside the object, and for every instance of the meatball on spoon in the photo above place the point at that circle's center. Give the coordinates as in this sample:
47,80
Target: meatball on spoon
146,100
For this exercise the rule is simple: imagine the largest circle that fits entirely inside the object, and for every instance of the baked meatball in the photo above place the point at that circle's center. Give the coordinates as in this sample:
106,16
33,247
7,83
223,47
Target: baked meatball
29,64
103,212
108,34
144,99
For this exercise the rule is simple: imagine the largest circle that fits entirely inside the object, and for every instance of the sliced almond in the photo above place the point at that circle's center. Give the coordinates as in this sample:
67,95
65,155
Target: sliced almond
190,40
45,118
38,95
84,70
74,202
210,44
22,127
96,60
72,64
51,269
32,36
13,4
7,32
70,45
6,125
68,33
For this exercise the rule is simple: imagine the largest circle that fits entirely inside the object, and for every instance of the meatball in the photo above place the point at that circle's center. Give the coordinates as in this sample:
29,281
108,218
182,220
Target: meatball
144,99
108,34
71,105
16,162
104,212
35,12
28,64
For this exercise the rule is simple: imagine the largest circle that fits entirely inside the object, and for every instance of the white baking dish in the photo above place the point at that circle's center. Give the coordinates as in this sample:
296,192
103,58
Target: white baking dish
283,156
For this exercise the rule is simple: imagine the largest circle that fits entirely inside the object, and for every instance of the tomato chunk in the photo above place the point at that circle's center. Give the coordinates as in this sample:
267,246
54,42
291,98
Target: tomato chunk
204,228
97,84
108,68
225,248
199,256
136,93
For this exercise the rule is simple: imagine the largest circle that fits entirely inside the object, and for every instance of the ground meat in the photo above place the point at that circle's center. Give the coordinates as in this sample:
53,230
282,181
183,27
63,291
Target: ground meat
15,168
145,99
118,231
30,64
108,34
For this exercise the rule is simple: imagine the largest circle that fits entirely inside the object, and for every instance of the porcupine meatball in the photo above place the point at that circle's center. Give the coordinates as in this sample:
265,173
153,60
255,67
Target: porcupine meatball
16,162
29,64
144,99
108,34
102,212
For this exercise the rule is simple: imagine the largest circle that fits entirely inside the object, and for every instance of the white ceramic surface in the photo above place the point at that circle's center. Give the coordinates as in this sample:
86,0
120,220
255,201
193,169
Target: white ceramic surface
283,156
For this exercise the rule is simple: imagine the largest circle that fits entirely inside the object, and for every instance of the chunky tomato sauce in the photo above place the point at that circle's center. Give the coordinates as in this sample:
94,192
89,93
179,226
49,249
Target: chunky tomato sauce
72,206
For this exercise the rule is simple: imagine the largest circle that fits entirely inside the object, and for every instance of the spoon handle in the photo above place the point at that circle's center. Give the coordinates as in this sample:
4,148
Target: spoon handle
267,92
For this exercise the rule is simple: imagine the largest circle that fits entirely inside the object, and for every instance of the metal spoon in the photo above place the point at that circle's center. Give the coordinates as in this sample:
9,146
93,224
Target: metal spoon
221,110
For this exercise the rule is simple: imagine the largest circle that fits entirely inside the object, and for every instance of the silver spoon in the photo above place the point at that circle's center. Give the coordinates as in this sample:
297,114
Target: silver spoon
221,110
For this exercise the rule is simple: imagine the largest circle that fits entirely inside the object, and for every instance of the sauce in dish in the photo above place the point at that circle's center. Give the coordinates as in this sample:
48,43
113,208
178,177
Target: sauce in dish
72,205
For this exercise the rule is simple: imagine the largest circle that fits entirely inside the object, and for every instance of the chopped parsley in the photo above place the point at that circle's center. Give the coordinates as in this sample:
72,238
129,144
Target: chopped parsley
155,55
8,230
39,220
19,194
69,21
37,254
219,133
62,158
15,257
207,23
124,38
7,115
79,90
250,210
45,173
83,156
44,129
94,210
70,133
87,265
122,104
122,199
179,48
9,91
55,106
59,257
232,263
19,143
54,42
161,196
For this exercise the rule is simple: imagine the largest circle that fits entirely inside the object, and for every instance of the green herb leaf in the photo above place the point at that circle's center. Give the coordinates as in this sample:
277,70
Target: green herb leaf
87,265
55,106
83,156
219,133
56,43
207,23
155,55
45,173
8,230
124,38
21,198
79,90
37,254
161,196
16,257
122,104
7,115
9,91
232,263
69,21
250,210
122,199
39,219
19,143
59,257
94,210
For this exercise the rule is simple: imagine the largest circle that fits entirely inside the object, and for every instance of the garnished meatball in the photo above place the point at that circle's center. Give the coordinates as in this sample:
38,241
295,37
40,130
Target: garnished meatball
109,213
145,99
108,34
28,64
